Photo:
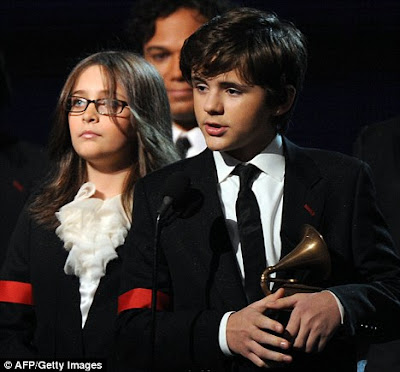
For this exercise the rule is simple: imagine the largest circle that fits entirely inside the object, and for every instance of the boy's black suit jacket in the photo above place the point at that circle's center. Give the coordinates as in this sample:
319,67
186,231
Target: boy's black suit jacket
198,269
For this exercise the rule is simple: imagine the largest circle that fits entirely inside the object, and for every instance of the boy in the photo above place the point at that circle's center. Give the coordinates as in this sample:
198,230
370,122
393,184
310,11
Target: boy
246,68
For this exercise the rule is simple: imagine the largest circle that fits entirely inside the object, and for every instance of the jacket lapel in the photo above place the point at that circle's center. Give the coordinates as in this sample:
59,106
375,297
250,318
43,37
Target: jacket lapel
303,199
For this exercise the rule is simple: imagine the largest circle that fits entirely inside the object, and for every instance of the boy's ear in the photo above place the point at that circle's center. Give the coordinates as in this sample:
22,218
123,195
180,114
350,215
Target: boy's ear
284,107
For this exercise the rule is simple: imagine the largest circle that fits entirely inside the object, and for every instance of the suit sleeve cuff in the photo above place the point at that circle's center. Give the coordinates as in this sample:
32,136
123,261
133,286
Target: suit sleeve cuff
223,344
340,306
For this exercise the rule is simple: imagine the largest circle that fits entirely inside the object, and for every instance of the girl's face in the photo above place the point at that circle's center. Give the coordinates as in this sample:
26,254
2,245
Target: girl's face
104,141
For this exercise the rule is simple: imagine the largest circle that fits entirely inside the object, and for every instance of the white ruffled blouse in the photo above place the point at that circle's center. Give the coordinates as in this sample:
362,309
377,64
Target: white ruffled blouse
91,230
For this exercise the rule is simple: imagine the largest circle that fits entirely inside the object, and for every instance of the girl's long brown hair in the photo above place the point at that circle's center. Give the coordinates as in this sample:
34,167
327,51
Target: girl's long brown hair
151,122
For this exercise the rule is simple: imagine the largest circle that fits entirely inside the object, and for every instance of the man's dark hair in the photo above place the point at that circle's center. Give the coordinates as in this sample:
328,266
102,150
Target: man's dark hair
144,13
265,50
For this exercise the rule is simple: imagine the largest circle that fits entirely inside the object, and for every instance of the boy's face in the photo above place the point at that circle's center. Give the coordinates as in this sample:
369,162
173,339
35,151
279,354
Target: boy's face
233,115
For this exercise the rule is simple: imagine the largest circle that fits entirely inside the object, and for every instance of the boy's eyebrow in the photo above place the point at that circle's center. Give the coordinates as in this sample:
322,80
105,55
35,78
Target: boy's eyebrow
197,79
232,84
223,84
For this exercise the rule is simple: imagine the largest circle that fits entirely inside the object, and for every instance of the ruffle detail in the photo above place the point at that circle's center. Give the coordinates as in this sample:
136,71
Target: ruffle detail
91,230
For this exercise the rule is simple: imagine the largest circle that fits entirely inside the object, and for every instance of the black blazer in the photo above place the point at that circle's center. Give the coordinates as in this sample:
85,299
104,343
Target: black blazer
52,326
22,164
198,270
379,146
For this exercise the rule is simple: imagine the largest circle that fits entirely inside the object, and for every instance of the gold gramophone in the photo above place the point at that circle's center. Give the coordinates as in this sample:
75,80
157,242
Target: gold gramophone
311,253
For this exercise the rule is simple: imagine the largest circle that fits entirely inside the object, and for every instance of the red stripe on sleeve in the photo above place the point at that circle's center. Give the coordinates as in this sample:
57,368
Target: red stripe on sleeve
16,292
140,298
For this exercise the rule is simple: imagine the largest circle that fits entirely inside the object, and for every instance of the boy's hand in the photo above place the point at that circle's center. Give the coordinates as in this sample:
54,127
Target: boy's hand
247,333
314,319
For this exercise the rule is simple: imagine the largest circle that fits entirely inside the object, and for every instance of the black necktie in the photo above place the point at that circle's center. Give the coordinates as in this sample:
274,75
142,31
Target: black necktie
182,144
250,232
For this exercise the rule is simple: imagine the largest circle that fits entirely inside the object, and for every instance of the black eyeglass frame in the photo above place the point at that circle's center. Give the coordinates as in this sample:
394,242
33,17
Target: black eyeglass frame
96,103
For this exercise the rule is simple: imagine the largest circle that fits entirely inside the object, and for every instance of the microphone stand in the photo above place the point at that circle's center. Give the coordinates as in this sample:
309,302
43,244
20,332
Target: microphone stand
175,188
154,289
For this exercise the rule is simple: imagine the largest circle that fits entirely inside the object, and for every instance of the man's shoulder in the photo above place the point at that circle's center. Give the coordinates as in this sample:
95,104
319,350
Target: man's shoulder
378,131
324,159
190,166
332,157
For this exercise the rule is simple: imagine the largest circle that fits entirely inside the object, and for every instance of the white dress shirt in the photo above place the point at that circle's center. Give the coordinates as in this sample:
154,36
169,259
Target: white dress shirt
271,162
268,189
195,137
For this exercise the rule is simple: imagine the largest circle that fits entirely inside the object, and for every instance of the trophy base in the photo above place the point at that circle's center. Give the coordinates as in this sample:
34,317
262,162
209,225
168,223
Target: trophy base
293,288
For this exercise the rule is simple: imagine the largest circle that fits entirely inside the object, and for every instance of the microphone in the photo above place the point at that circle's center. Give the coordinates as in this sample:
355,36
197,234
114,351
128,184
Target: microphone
175,187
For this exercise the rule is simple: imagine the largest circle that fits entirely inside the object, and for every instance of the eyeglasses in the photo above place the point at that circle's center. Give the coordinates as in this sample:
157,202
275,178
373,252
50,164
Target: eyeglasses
104,106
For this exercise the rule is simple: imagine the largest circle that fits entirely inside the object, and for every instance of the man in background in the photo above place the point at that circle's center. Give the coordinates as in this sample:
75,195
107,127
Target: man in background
157,29
379,146
21,165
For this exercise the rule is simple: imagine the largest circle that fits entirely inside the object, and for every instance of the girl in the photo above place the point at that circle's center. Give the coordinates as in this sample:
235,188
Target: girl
59,284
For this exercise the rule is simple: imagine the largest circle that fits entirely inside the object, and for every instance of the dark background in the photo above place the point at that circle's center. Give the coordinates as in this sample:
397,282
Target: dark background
353,78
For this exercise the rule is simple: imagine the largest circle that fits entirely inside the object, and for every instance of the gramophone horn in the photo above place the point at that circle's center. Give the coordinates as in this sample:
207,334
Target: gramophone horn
311,253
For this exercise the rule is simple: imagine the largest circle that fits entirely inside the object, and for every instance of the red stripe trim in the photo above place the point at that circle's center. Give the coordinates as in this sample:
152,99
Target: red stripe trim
140,298
16,292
